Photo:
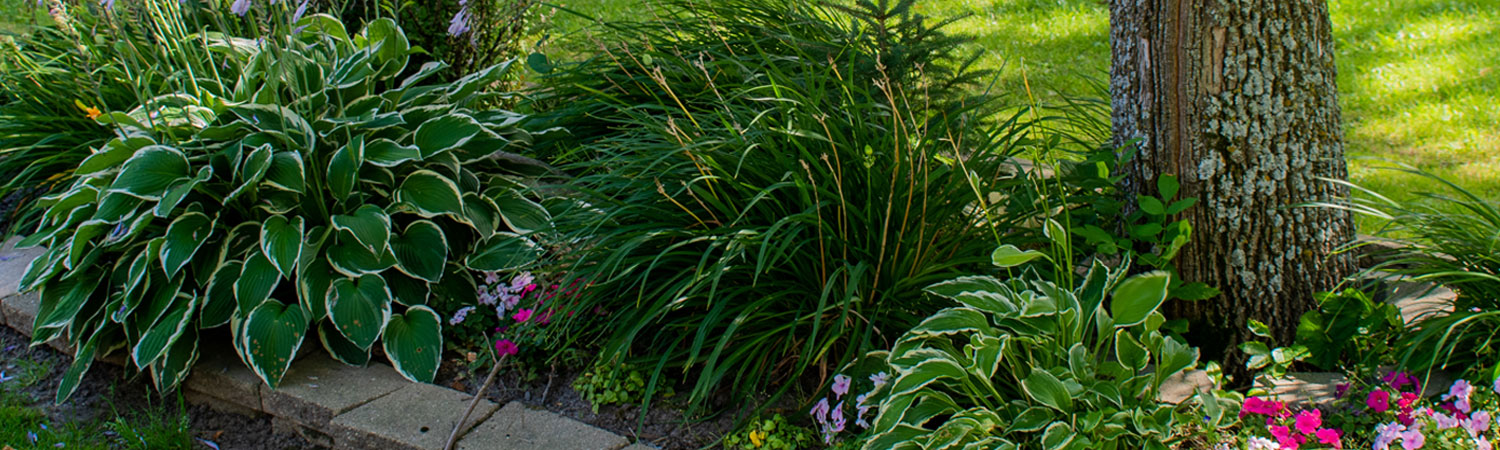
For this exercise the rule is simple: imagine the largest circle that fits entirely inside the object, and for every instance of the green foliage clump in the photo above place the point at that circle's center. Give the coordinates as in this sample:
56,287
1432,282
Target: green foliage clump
1349,331
1025,363
611,384
496,32
773,433
319,195
767,185
1449,238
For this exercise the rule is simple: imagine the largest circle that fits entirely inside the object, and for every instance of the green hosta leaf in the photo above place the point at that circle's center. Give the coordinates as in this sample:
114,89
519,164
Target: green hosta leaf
271,335
257,163
1032,419
1175,357
343,167
430,194
62,300
286,172
156,340
281,242
1058,436
83,358
444,133
1129,352
1137,297
481,213
174,365
414,342
421,251
953,321
389,43
258,277
149,173
179,191
503,252
1046,389
184,236
360,308
521,215
352,259
312,287
407,290
219,302
113,153
387,153
369,225
340,348
1010,256
925,373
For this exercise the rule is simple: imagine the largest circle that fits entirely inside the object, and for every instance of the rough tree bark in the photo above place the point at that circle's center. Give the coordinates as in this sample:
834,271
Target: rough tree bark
1237,98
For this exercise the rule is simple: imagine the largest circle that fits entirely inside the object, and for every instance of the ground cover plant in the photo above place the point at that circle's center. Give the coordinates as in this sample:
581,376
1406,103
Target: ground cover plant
320,193
767,186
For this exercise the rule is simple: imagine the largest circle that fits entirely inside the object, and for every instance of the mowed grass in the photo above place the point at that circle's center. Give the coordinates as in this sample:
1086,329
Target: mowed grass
1419,80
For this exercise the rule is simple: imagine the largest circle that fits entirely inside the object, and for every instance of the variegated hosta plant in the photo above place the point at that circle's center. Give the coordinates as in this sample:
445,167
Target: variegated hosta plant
324,198
1027,364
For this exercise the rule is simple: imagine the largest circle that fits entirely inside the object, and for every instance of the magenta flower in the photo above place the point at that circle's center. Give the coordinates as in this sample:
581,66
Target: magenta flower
1308,422
1379,400
1257,405
1330,437
840,385
505,347
1399,379
1284,437
523,315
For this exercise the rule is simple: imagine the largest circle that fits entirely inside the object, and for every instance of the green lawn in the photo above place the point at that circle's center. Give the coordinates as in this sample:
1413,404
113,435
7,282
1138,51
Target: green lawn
1419,80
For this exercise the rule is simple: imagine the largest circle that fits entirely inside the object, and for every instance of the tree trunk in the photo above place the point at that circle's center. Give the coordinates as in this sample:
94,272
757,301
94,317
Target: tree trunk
1237,98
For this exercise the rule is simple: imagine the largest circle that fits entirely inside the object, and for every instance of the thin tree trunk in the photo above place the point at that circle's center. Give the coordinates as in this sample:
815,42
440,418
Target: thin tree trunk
1237,98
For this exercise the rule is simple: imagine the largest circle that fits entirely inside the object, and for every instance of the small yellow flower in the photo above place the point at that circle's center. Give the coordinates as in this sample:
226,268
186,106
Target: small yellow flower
757,438
90,111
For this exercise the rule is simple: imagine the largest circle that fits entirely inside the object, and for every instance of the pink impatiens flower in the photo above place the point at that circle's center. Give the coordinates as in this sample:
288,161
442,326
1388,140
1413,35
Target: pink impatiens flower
1308,422
1459,394
1256,405
1284,436
505,347
1379,400
1329,437
1477,423
1413,439
523,315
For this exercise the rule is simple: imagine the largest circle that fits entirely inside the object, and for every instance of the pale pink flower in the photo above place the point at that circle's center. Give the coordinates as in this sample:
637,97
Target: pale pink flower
840,385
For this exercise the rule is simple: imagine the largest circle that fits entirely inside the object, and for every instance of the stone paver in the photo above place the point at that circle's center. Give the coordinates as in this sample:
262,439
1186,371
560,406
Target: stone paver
1419,301
1305,387
518,427
20,311
318,387
639,446
221,375
13,262
417,416
1184,385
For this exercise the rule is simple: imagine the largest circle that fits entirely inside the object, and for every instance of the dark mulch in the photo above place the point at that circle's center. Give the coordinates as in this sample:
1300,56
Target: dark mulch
108,391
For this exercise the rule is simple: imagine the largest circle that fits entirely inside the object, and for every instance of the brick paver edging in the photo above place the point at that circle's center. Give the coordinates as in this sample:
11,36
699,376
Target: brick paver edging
340,406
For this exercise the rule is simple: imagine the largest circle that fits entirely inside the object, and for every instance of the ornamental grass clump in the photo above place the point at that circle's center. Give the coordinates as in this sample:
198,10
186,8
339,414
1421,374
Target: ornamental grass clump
766,186
323,195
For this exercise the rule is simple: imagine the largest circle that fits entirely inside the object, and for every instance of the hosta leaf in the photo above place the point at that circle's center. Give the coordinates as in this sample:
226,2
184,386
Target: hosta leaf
155,341
421,251
414,342
180,190
312,287
83,358
352,259
360,308
481,213
1129,352
390,45
257,163
1010,256
343,168
1045,388
927,372
369,225
113,153
218,301
387,153
407,290
150,171
271,335
281,242
522,215
286,172
1032,419
62,300
953,321
430,194
444,133
1137,297
258,277
184,237
1057,436
340,348
174,365
502,252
